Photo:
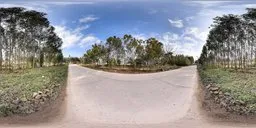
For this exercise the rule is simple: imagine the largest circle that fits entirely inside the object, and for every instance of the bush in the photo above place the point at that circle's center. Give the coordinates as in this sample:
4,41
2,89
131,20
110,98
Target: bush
181,60
74,60
112,62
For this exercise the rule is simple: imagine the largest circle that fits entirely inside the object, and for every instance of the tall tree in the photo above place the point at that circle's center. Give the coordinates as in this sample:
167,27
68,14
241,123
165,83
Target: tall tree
25,38
231,41
154,50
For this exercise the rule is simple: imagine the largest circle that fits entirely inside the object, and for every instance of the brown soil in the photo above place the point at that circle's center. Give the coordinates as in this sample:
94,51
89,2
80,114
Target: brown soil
130,70
213,111
50,112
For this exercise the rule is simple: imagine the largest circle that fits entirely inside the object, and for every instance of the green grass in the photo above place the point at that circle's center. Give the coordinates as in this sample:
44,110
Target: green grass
240,84
22,84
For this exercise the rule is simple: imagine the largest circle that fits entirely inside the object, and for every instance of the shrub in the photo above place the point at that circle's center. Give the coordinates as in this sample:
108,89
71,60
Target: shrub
181,60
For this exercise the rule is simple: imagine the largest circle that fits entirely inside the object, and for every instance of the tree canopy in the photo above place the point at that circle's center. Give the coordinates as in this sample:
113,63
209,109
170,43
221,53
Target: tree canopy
27,39
231,41
131,51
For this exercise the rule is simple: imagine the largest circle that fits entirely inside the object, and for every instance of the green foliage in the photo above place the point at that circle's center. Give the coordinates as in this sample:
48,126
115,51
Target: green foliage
241,85
59,58
94,55
168,58
191,59
74,60
231,41
154,51
115,48
5,110
131,51
203,57
228,56
23,83
28,39
131,68
181,60
112,62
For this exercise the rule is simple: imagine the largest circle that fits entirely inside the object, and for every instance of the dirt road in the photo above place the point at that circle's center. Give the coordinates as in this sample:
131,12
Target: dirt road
96,99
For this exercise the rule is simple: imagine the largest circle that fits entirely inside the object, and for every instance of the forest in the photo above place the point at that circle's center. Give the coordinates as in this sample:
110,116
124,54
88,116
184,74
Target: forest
128,50
27,40
231,41
227,62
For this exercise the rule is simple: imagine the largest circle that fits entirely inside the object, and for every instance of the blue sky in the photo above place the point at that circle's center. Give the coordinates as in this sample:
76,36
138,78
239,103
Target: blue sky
181,25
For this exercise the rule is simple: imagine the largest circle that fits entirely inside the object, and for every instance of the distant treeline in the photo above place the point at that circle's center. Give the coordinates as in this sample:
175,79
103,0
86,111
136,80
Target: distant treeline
131,51
231,41
27,39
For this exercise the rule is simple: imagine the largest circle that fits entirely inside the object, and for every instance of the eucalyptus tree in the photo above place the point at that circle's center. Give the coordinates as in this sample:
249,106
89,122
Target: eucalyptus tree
231,41
250,18
10,17
1,40
36,25
154,51
52,45
203,57
141,53
97,54
115,49
129,44
25,38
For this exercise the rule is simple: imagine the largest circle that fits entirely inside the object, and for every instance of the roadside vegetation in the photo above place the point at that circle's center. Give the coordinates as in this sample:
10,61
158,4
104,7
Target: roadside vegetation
227,62
26,91
130,69
31,61
27,40
128,54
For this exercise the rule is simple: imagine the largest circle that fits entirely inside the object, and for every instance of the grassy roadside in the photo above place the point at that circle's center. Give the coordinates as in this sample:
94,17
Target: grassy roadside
27,91
236,89
130,69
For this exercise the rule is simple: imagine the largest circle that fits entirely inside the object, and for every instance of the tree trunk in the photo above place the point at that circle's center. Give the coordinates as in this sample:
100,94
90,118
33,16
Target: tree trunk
1,57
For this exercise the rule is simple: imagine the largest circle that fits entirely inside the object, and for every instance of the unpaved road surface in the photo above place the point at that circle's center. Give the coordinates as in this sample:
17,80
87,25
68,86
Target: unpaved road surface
96,99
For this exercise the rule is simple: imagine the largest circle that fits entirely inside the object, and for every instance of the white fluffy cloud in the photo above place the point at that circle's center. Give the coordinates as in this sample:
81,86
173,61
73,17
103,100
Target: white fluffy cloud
140,36
74,37
81,28
28,6
189,18
88,19
67,2
181,46
196,33
170,36
176,23
194,36
189,42
208,3
68,36
89,40
42,6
